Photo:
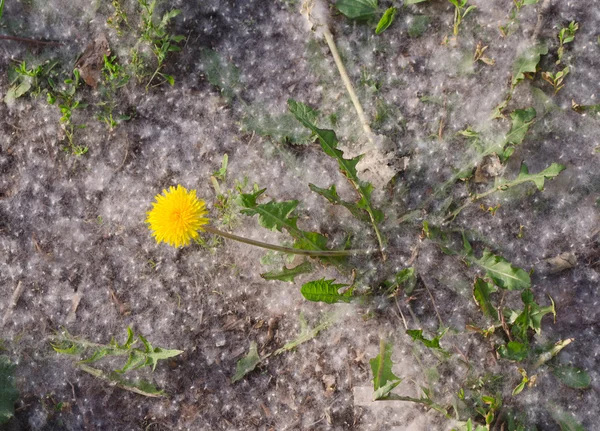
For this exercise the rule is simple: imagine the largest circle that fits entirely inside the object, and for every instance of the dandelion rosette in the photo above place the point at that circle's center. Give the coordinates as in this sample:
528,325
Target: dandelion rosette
177,216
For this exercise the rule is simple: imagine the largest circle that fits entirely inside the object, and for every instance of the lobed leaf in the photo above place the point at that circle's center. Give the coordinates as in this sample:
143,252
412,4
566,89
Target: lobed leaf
325,291
522,119
481,292
329,142
527,62
288,274
277,216
538,179
220,73
503,274
384,380
247,364
306,334
513,351
331,195
417,335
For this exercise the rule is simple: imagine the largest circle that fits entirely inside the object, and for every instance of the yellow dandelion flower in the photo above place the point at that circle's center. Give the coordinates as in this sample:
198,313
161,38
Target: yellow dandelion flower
177,216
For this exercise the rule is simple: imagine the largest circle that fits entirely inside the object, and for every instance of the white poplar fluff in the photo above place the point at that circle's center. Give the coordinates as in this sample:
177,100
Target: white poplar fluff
376,165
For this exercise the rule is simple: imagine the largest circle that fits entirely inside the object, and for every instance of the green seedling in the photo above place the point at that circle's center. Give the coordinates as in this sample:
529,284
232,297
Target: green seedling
566,35
118,20
520,3
114,77
26,79
461,10
65,97
556,79
137,357
252,359
154,33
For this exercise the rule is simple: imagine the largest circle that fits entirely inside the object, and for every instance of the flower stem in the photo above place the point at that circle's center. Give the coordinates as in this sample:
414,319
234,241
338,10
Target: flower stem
312,253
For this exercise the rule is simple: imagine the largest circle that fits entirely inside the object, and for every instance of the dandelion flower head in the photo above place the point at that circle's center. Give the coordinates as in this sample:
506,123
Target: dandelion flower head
177,216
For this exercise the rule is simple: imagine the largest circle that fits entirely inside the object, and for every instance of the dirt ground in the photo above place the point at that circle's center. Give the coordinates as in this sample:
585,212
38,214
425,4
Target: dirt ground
75,247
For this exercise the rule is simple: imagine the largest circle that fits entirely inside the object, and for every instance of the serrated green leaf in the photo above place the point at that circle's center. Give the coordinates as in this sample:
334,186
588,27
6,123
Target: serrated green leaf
325,291
155,354
417,335
565,420
386,20
331,195
247,364
277,216
502,272
573,377
408,278
513,351
8,392
282,128
384,380
357,9
329,142
527,62
538,179
306,334
220,73
66,348
481,292
407,2
288,274
522,119
140,387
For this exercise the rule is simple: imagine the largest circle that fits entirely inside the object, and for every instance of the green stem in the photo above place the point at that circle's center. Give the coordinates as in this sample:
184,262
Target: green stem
312,253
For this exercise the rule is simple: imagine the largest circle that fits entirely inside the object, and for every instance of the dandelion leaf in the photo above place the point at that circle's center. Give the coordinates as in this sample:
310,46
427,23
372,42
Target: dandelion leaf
513,351
331,195
306,334
325,291
288,274
527,62
522,119
417,335
220,73
384,380
329,142
357,9
8,391
247,364
481,292
277,216
282,128
538,179
503,274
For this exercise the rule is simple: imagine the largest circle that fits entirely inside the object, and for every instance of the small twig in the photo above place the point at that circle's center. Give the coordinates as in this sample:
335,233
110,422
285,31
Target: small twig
401,314
433,302
13,301
32,41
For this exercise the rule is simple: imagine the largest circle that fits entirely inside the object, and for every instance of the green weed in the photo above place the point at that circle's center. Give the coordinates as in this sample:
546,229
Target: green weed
137,357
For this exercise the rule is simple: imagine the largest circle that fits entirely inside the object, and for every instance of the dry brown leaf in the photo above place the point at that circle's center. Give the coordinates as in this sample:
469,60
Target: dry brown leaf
91,61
